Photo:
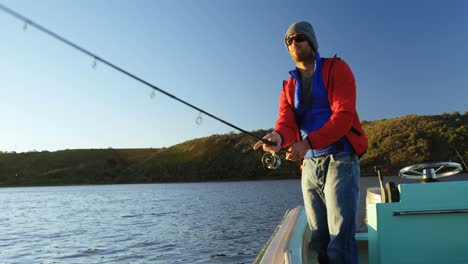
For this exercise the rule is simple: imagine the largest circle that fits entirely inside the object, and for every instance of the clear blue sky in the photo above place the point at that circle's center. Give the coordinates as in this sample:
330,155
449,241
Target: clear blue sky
227,57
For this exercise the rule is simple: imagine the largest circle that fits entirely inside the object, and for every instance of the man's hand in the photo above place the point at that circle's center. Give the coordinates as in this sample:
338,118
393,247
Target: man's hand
272,137
298,150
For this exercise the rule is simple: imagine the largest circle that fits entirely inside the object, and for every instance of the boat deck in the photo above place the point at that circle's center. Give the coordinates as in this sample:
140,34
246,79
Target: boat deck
362,247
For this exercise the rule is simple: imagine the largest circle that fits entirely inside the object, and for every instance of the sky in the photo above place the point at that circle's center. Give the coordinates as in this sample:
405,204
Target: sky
226,57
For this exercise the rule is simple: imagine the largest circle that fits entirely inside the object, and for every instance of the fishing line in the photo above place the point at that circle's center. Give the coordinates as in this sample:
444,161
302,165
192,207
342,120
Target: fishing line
28,22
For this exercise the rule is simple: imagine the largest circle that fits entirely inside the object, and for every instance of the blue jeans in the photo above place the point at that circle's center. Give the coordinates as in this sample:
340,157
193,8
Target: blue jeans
330,186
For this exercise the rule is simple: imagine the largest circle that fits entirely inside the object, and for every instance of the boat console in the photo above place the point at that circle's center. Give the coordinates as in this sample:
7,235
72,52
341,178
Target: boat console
429,223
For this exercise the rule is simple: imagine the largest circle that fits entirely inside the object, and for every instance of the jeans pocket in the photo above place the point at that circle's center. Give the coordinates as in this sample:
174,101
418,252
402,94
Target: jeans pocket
345,166
344,157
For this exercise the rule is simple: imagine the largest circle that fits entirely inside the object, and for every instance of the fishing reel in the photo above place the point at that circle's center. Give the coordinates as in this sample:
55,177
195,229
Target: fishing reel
271,161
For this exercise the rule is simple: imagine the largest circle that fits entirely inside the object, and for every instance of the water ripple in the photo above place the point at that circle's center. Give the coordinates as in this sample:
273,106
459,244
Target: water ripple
154,223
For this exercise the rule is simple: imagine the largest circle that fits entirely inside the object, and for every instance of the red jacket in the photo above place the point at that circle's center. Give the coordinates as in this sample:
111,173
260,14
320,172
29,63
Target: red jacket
344,121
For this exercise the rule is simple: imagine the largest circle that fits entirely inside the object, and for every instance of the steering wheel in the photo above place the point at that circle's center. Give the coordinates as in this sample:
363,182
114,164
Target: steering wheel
428,171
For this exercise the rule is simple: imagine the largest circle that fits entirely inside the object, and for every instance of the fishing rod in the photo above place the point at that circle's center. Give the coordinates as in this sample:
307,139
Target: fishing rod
269,161
462,160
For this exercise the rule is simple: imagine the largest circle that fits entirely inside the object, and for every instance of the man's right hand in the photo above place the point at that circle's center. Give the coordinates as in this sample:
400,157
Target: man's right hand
272,137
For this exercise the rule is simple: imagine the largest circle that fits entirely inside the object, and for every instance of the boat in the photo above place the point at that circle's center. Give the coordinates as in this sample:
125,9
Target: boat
422,222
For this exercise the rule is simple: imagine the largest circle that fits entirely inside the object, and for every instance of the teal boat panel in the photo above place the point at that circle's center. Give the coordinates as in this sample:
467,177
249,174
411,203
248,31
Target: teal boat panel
428,225
300,238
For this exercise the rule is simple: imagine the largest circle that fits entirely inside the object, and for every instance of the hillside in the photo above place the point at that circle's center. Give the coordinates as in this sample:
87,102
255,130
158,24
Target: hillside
412,139
397,142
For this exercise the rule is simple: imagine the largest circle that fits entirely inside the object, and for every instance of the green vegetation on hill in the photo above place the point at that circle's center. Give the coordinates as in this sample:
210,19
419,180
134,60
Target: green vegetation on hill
397,142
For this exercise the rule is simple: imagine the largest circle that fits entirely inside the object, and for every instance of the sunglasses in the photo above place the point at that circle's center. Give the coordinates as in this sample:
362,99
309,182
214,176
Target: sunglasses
297,38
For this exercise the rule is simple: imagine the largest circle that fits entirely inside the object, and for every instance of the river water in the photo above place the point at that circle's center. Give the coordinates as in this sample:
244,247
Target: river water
225,222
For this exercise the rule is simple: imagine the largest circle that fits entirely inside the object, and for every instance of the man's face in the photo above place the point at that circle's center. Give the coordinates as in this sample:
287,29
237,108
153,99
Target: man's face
299,48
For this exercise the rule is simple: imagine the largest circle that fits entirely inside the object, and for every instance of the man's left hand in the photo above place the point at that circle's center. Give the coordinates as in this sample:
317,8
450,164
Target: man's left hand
298,150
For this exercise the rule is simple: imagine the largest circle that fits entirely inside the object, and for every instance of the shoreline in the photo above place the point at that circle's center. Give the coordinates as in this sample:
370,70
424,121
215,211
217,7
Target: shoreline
365,181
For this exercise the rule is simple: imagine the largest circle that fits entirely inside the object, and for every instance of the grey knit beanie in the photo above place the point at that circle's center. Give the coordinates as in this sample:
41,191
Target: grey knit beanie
303,28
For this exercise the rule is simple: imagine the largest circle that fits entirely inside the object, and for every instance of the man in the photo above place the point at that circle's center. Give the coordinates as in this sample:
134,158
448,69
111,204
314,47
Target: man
319,123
